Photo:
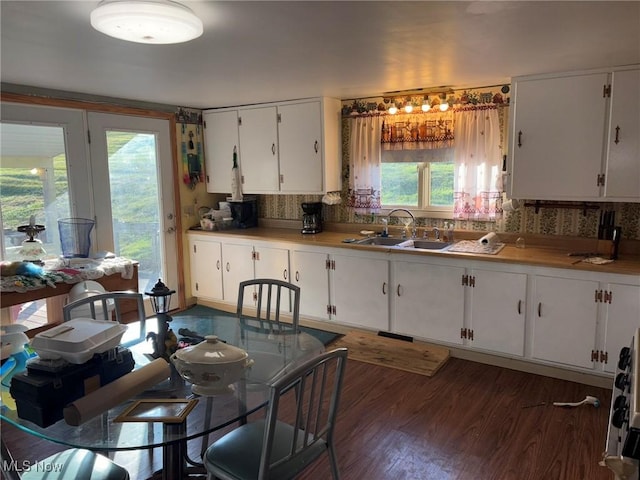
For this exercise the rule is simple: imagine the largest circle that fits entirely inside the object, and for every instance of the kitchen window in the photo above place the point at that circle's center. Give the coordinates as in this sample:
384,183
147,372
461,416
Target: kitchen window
418,179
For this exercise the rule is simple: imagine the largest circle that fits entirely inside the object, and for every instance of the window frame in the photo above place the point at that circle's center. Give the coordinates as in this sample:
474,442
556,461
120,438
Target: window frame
424,189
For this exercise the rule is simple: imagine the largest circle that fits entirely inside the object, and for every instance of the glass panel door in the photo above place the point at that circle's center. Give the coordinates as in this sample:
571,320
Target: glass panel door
43,177
133,191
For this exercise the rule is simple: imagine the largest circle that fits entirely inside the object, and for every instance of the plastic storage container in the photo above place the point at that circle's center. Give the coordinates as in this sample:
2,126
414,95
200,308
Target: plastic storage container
78,340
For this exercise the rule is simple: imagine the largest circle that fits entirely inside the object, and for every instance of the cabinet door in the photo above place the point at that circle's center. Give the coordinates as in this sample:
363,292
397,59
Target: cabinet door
310,273
497,311
429,301
564,322
206,269
273,263
238,266
557,137
622,318
259,153
300,140
220,138
622,179
359,288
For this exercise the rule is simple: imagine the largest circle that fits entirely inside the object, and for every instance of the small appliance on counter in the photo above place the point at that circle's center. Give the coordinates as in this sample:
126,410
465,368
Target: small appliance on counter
312,217
244,212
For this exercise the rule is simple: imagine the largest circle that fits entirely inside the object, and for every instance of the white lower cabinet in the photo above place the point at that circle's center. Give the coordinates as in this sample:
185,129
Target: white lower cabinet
309,271
583,323
496,311
245,261
238,266
359,291
620,311
206,268
564,319
429,301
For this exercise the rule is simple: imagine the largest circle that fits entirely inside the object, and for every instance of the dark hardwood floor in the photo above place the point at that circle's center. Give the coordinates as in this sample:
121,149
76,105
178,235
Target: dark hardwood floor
468,422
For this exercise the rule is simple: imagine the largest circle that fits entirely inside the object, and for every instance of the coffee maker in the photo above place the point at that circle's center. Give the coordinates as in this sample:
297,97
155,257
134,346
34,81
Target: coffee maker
312,217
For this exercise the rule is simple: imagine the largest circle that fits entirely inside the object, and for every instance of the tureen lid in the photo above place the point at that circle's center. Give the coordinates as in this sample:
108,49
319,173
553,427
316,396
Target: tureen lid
211,350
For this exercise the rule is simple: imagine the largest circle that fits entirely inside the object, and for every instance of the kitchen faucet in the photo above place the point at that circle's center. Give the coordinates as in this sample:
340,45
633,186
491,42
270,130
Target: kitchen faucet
413,219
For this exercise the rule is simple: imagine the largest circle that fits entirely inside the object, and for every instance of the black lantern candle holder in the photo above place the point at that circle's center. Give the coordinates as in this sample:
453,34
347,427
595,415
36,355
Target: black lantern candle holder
165,341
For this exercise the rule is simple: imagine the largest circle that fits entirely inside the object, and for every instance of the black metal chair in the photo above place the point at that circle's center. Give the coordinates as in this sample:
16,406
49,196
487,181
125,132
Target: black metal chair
297,430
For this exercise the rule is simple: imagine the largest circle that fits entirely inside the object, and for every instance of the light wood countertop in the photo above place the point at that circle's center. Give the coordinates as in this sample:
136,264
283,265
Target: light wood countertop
554,254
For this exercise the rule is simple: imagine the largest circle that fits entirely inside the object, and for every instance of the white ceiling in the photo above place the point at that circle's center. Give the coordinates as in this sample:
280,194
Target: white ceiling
264,51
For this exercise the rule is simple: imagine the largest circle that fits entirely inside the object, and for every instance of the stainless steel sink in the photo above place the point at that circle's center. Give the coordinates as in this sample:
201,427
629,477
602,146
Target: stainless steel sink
381,241
428,245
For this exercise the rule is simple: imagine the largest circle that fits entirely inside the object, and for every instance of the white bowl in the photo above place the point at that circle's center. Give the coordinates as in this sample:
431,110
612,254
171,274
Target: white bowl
211,366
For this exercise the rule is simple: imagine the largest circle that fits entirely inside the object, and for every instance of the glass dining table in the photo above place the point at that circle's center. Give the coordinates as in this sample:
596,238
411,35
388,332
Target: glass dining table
273,351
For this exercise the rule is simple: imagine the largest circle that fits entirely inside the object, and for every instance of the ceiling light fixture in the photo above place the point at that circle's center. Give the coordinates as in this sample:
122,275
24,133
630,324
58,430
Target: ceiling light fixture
146,21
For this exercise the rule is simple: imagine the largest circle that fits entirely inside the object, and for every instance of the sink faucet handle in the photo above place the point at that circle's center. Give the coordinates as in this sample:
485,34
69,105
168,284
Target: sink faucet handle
436,231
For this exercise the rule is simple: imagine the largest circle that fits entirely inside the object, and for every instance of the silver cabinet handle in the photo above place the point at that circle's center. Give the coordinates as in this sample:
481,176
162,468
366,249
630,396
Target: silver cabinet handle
284,274
398,290
297,276
539,309
228,267
384,288
519,307
520,138
273,148
315,146
218,265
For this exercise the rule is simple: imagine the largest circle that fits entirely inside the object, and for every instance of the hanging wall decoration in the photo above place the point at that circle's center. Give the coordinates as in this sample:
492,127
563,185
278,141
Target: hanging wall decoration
190,146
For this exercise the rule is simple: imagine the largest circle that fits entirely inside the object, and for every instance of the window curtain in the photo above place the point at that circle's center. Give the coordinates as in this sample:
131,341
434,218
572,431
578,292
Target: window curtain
364,164
477,185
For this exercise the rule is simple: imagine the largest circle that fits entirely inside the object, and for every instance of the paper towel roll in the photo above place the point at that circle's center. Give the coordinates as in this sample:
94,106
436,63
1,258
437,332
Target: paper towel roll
116,392
489,239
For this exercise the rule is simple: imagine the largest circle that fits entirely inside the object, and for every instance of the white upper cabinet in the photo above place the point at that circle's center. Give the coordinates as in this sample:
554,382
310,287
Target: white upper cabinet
301,149
285,147
220,139
622,180
563,136
259,141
